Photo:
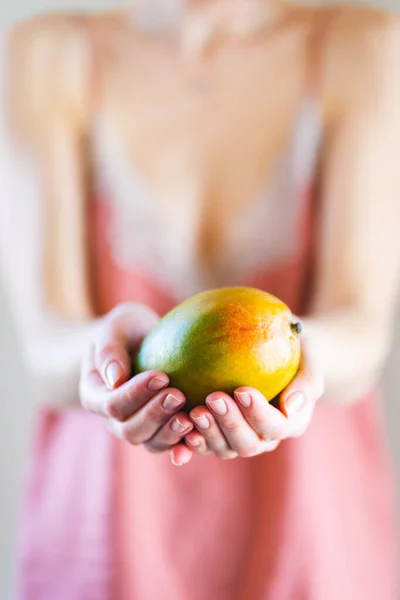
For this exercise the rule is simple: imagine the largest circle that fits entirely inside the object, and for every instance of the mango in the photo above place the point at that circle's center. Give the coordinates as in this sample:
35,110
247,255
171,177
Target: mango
222,339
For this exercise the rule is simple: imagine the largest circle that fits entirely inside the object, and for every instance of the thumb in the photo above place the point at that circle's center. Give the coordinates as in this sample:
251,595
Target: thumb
120,334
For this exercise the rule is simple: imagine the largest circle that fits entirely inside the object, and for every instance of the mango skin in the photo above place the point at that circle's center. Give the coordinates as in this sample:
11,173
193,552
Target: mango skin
222,339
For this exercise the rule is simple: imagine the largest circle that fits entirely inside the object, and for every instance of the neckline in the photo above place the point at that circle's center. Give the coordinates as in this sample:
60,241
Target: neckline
194,25
157,16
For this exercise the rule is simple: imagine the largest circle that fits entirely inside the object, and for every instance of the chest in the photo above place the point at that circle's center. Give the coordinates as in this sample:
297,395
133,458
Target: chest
187,236
204,165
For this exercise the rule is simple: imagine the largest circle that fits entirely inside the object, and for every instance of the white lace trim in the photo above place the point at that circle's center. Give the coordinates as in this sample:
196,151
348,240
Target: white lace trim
151,235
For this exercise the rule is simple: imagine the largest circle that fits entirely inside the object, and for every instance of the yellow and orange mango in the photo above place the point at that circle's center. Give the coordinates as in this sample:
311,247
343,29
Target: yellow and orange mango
222,339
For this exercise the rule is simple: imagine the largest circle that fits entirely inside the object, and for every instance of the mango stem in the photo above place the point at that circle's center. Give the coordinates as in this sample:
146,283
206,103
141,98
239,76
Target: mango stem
296,327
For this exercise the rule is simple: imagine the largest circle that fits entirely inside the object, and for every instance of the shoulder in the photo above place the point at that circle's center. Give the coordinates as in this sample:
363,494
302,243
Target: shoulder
60,29
358,52
48,41
49,61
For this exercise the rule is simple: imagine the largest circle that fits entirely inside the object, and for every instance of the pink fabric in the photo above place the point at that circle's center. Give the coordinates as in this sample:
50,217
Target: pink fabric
67,546
313,520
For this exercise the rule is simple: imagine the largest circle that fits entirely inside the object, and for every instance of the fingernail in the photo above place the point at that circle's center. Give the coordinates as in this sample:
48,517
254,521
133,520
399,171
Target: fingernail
218,406
157,383
178,427
202,422
171,403
113,373
194,442
294,403
175,462
243,398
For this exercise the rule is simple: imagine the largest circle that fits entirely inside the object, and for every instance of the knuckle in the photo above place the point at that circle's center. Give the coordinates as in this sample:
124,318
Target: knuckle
274,433
258,421
156,415
112,409
126,396
128,434
249,451
231,425
153,448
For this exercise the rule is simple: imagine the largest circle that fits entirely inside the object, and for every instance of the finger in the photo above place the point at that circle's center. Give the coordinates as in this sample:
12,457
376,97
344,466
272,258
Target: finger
181,455
197,443
308,385
88,375
235,430
271,446
119,334
124,433
213,436
93,394
266,420
122,403
146,422
171,433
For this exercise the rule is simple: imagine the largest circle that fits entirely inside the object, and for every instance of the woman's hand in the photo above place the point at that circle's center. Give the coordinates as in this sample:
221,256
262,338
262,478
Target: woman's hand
142,410
247,425
145,411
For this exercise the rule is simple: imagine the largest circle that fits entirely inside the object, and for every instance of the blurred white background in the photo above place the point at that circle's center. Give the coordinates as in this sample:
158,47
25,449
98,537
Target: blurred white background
16,402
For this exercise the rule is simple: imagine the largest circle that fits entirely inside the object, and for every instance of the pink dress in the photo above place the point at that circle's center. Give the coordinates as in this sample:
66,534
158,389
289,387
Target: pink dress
313,520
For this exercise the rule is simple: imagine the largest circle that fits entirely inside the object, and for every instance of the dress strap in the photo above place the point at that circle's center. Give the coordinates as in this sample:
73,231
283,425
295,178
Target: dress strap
322,24
93,65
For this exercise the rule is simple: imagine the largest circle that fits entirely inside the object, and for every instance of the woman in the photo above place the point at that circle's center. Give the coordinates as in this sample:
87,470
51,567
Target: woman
179,147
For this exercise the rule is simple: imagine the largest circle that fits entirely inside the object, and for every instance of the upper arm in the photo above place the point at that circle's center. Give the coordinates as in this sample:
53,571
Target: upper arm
359,260
21,214
42,103
49,62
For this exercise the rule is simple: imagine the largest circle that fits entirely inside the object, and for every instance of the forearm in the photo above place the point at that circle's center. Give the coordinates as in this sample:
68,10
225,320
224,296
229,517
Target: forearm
52,355
351,352
51,346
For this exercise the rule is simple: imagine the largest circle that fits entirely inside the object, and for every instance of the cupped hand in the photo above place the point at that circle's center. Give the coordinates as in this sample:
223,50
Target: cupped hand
247,425
142,410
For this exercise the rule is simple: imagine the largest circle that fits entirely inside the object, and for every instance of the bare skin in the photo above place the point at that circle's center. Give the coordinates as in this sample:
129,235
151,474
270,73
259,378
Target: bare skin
353,55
